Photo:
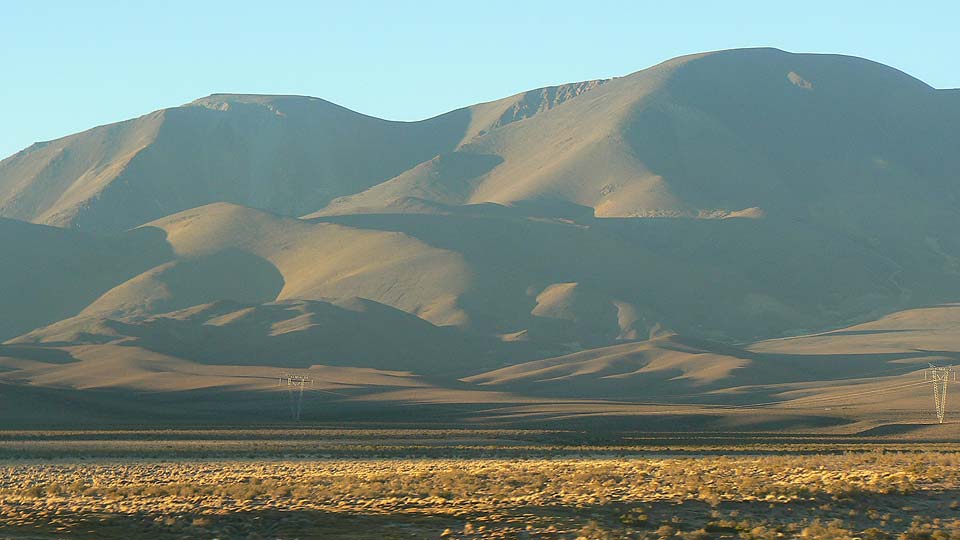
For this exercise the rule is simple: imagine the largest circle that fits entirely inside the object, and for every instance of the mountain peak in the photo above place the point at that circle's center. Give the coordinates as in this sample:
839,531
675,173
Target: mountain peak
257,99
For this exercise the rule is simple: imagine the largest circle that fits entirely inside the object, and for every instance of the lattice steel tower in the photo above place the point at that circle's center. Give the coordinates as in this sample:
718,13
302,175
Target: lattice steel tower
295,385
940,376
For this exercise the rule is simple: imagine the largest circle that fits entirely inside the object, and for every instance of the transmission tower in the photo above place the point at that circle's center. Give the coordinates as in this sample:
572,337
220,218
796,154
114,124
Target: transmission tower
295,384
940,376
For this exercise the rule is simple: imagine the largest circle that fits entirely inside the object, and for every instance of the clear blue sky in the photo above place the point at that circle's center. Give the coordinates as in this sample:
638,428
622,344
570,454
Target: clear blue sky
66,66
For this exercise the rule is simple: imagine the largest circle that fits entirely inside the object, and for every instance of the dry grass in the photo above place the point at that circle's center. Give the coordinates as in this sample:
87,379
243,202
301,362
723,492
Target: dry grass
873,496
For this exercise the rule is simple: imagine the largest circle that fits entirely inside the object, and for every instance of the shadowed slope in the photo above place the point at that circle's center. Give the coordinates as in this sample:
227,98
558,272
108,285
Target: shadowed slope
294,334
673,369
327,260
225,354
282,153
748,132
723,279
285,154
218,252
824,187
228,274
47,274
730,196
868,366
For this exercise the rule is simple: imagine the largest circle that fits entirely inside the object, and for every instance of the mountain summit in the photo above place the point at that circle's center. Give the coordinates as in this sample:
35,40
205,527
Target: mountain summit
723,198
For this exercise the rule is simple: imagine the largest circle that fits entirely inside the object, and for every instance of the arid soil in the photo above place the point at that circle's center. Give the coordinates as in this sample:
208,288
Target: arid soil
871,494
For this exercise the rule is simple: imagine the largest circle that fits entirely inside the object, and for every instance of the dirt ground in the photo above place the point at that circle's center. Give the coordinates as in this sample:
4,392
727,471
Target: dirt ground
464,484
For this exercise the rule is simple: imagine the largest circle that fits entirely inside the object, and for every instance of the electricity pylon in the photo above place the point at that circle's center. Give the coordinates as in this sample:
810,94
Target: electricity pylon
295,385
940,376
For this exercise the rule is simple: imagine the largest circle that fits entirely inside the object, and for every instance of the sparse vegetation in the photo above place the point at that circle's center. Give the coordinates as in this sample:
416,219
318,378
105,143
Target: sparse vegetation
876,495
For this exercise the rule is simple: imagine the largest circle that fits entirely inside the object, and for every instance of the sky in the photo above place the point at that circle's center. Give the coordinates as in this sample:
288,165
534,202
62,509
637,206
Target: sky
66,66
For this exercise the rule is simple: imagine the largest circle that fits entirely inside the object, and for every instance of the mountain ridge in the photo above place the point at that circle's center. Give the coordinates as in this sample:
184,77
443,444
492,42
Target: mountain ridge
659,234
59,182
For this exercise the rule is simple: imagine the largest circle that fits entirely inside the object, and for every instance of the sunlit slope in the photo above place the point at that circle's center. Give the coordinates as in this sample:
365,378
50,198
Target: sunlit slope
536,279
645,369
934,331
590,281
285,154
750,132
130,367
866,367
328,260
218,252
790,192
737,195
572,282
674,369
356,347
544,269
482,270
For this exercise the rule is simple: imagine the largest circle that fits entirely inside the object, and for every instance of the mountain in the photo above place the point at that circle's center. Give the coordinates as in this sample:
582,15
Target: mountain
285,154
743,133
687,170
694,233
787,191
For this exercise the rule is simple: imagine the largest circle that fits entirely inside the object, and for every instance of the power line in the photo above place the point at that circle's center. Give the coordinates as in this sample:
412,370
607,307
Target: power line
859,394
802,401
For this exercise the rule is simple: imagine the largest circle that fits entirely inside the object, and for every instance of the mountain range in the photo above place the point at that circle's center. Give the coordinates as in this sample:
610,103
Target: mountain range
693,233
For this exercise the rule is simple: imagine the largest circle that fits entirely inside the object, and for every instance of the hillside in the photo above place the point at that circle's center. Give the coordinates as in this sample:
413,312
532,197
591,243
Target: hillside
223,359
863,369
746,172
292,334
577,214
285,154
741,132
47,273
693,233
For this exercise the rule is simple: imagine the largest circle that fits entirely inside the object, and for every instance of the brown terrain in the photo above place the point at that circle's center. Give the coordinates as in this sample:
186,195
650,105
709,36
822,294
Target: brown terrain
738,240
